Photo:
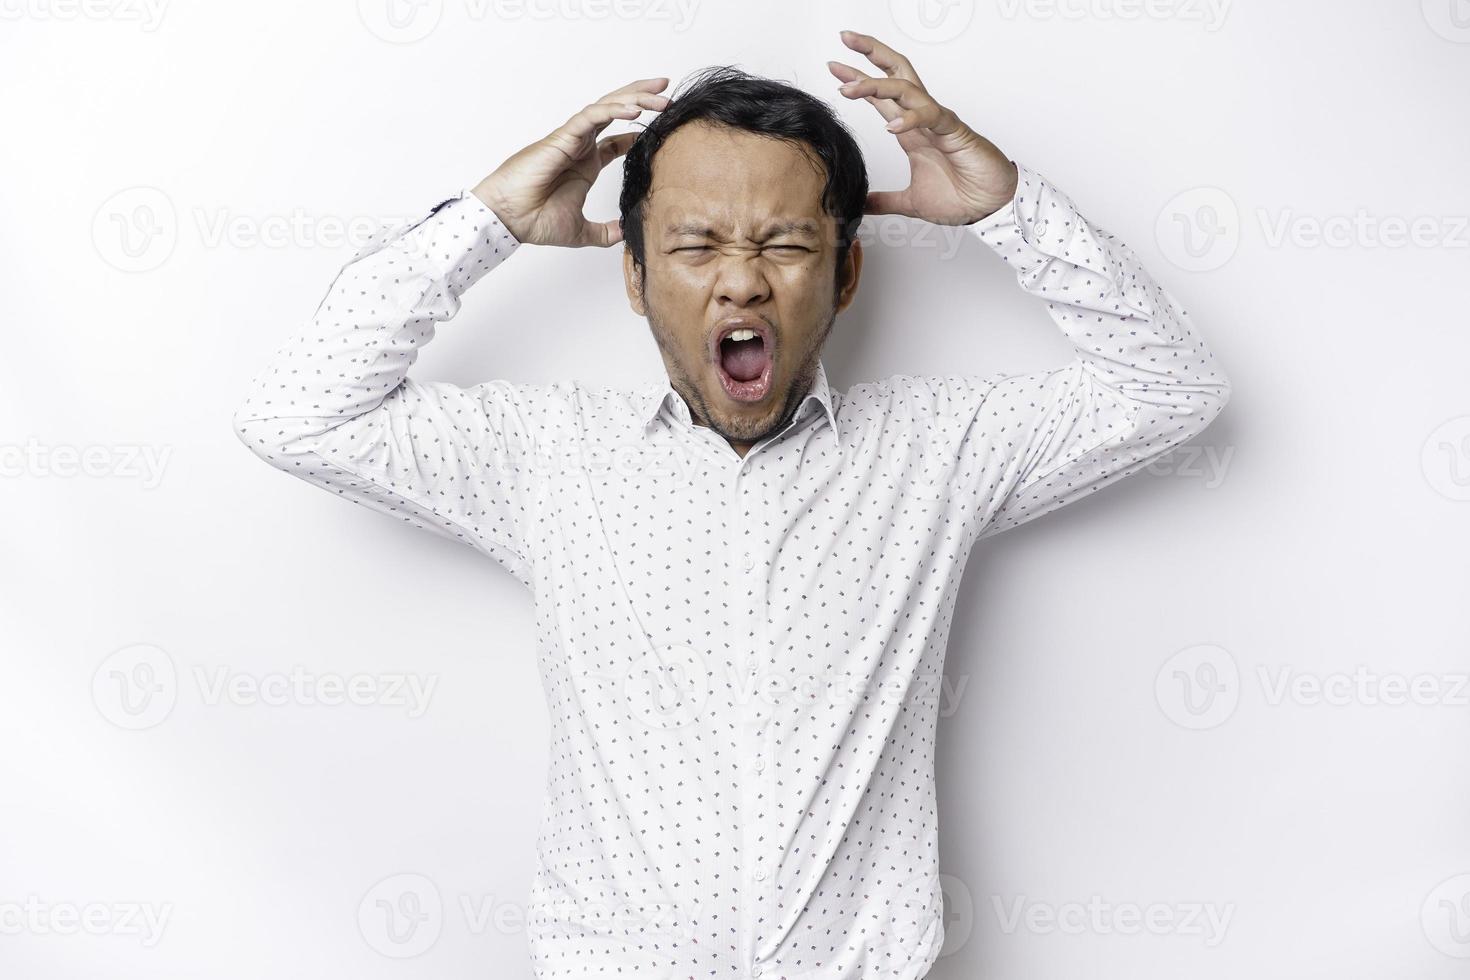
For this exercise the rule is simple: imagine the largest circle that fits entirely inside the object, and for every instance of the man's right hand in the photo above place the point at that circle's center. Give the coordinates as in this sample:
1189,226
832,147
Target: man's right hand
538,194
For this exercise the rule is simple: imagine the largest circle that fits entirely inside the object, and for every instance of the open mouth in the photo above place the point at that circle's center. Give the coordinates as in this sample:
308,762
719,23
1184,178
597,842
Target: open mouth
743,358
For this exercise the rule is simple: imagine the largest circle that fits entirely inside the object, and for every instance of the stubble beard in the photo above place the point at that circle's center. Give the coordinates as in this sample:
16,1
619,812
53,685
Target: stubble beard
734,429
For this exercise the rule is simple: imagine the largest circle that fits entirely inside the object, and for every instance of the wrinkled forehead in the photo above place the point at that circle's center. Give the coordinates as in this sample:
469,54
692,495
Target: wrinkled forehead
734,183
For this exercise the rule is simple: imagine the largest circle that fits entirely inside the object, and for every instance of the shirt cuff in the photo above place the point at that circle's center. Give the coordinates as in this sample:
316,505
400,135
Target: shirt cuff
1035,214
462,239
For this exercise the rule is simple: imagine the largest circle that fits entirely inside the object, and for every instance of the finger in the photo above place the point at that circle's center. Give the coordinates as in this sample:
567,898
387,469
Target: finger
593,119
601,234
934,117
887,108
900,90
613,147
885,202
641,85
918,108
893,64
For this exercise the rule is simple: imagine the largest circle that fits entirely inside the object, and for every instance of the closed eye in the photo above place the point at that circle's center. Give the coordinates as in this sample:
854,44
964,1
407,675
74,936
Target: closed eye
706,248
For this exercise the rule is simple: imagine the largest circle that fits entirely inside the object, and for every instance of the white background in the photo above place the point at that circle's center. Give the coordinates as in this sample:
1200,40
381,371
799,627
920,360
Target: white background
1317,530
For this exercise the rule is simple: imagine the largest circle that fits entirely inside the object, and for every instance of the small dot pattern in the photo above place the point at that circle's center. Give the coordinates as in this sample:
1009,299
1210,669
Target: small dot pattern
741,656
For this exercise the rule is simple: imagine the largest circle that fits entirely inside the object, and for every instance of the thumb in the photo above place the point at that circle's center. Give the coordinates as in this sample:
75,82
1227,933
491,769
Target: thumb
885,202
602,234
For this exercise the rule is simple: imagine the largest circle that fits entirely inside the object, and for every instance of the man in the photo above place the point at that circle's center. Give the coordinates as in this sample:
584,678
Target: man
743,579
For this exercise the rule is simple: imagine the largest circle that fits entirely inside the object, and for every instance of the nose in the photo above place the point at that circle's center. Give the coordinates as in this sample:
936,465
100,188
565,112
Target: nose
742,280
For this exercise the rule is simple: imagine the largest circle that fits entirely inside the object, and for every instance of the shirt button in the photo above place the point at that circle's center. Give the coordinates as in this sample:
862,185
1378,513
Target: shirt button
748,561
760,874
756,970
760,765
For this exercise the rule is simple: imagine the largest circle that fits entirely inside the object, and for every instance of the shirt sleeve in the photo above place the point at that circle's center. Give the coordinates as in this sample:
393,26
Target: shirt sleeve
336,407
1141,380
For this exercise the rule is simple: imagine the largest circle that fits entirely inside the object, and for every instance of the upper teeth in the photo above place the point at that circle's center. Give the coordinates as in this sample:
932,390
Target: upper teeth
743,334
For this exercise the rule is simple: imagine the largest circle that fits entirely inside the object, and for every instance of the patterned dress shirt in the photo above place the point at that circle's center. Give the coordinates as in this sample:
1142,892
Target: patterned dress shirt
741,656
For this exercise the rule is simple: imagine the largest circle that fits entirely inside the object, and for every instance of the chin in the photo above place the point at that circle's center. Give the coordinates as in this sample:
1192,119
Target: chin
749,423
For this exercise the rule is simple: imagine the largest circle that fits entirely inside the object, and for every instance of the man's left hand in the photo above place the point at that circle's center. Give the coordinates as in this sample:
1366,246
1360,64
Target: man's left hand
956,176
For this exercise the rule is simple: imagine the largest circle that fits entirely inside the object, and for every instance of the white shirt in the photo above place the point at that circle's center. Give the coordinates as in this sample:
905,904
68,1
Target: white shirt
741,656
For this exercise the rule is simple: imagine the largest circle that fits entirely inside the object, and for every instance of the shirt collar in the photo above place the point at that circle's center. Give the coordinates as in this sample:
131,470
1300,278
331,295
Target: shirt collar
650,402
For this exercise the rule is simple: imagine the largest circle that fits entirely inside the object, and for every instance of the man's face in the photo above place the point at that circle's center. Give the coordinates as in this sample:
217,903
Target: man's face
739,284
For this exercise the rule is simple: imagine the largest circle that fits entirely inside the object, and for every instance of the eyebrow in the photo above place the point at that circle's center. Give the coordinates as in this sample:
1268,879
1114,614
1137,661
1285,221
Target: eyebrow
800,227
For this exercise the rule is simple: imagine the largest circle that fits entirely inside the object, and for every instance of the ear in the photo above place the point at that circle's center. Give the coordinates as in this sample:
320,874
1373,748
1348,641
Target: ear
852,272
633,282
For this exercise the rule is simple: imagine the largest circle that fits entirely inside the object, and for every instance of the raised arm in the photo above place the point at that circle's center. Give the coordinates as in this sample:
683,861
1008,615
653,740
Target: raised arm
1140,382
336,406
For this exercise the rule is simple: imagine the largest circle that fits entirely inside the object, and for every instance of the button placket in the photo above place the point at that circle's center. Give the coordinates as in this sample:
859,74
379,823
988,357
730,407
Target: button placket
759,728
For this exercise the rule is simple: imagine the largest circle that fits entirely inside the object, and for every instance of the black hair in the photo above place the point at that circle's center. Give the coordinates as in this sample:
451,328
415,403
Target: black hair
725,95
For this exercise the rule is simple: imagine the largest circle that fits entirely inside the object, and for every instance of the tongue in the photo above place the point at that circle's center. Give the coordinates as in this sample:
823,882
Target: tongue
743,360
